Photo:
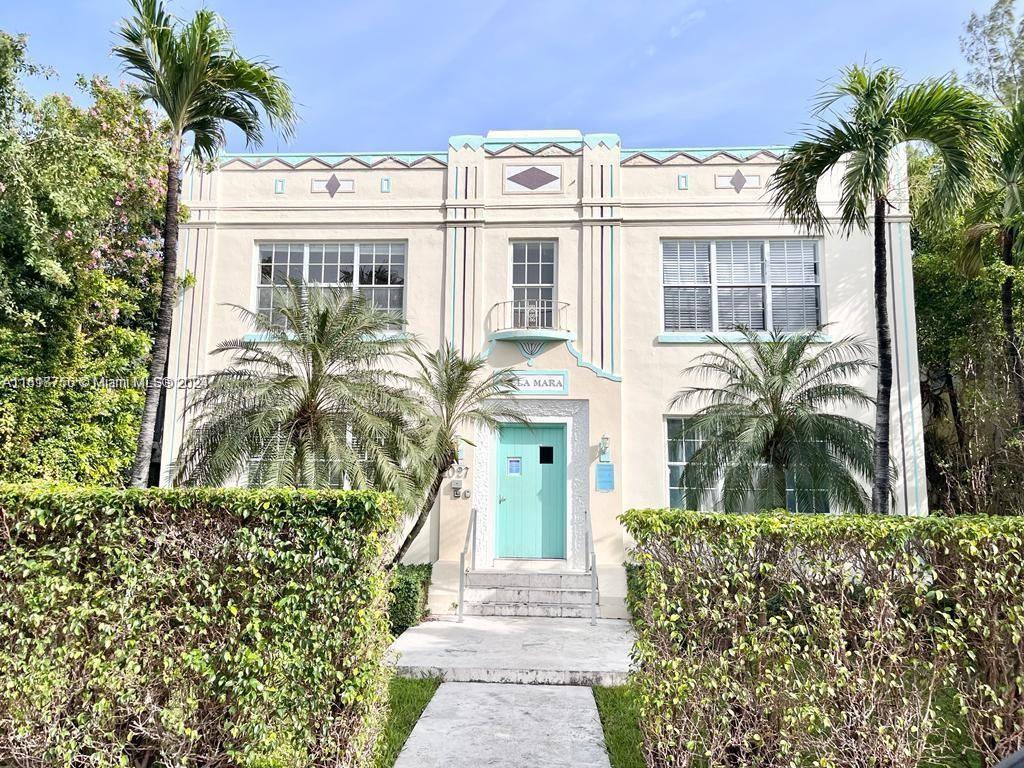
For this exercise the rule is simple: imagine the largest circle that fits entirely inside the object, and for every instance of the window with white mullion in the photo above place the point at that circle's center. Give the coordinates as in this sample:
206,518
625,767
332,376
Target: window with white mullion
381,275
740,281
280,263
681,448
720,285
686,284
533,283
795,284
376,270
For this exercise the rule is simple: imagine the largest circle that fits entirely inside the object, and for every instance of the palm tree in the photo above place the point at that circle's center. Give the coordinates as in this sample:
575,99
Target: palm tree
999,207
882,113
455,393
194,74
771,416
312,403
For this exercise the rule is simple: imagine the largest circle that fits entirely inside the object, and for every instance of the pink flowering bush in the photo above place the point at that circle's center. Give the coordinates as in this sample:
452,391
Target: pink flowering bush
79,272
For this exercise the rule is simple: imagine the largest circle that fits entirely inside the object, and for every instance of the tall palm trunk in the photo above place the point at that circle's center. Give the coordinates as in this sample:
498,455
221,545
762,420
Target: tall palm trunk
162,337
880,456
779,483
428,504
1014,362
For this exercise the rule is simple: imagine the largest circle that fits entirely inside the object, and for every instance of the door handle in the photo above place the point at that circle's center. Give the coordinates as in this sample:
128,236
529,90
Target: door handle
501,499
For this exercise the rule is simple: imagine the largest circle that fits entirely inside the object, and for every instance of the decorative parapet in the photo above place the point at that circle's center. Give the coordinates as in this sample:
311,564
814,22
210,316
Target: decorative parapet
258,160
704,154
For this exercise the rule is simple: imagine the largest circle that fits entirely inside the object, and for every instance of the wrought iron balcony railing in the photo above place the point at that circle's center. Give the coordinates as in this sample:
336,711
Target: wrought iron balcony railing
529,319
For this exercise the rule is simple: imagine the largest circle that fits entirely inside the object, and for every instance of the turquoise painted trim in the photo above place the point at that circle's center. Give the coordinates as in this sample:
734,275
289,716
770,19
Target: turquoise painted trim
488,349
533,145
393,334
474,141
906,359
594,140
703,337
703,153
331,158
278,186
682,182
530,334
530,372
471,140
385,184
581,363
611,182
268,338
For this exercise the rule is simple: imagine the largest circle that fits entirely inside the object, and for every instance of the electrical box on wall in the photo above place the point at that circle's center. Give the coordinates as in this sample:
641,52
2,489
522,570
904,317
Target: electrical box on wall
457,488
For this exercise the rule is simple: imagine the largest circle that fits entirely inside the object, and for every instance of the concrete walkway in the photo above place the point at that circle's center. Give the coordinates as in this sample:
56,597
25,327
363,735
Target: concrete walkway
467,725
492,649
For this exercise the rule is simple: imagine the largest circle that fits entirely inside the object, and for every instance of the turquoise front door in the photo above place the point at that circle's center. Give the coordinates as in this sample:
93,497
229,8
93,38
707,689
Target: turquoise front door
531,491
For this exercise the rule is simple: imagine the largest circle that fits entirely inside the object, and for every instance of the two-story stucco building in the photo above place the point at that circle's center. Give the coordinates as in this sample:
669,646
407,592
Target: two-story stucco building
595,271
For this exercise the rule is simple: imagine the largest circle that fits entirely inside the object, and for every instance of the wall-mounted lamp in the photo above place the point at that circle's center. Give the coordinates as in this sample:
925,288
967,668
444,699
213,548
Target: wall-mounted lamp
604,454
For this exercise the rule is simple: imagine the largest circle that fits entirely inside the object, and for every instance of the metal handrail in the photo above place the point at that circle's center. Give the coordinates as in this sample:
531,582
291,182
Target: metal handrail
529,314
591,566
469,547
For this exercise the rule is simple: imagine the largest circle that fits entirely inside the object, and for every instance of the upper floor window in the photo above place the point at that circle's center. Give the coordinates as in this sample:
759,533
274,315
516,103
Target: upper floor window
375,269
719,285
533,283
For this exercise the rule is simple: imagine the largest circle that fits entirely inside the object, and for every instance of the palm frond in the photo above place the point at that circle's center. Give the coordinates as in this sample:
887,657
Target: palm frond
859,122
313,403
769,413
192,72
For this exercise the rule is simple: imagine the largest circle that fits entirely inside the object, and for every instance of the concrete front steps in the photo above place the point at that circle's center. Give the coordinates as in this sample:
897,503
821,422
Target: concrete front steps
563,595
536,651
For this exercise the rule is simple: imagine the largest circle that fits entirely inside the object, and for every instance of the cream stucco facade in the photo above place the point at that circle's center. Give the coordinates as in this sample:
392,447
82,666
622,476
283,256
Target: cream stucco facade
600,351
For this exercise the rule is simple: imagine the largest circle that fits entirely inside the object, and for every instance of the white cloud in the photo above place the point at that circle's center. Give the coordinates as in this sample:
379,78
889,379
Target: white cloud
687,21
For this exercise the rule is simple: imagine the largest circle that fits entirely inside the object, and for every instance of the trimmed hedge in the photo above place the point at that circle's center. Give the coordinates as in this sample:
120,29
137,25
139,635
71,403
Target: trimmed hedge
410,585
789,640
216,627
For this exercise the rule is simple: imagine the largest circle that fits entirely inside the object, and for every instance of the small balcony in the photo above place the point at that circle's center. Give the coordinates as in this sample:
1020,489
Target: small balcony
529,320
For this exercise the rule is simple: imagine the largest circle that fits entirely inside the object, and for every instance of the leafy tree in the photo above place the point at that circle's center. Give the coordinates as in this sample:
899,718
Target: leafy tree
770,415
993,44
312,404
80,196
455,393
880,115
973,457
998,208
193,73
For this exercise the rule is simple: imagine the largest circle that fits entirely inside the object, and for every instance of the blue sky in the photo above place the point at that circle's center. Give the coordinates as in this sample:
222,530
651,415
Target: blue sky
386,75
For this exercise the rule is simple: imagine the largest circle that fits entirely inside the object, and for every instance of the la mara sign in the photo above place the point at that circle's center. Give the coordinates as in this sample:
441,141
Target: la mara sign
542,382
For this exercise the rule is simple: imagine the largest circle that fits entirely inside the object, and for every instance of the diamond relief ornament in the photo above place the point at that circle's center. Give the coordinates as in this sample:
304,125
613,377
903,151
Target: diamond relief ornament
738,181
333,185
533,178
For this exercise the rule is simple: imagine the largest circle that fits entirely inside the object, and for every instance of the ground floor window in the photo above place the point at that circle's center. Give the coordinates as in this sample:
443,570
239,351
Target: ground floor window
680,451
682,447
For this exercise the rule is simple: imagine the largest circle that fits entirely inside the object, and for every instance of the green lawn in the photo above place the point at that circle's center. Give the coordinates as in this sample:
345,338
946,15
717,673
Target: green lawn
621,729
408,700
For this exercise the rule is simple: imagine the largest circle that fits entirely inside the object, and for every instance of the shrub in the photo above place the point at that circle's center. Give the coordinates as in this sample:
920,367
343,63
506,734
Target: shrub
409,587
778,639
192,627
